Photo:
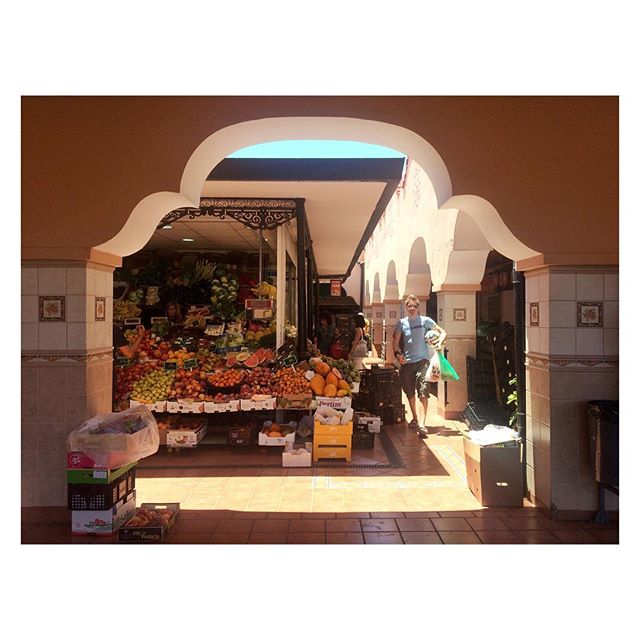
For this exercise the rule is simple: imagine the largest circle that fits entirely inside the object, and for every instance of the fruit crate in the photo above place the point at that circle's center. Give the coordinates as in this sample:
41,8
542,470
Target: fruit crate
324,451
393,415
242,435
363,440
98,497
150,533
97,475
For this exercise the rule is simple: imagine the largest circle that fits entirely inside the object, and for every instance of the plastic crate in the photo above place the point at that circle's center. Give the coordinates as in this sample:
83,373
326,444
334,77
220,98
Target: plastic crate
363,440
97,497
242,435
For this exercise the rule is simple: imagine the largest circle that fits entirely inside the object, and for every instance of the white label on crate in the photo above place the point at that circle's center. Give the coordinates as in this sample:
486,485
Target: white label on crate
100,474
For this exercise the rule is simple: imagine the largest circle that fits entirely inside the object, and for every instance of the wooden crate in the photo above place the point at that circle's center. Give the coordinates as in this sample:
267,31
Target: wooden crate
333,429
320,451
334,440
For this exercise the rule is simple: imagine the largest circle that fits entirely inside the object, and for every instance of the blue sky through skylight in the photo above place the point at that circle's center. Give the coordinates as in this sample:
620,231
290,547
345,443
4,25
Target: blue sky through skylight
316,149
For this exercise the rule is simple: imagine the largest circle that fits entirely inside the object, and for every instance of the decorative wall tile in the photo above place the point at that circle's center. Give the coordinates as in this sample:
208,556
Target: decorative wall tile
611,286
460,315
611,342
29,309
101,309
562,341
589,314
52,280
589,342
610,315
562,286
562,314
534,314
29,281
590,286
52,335
29,336
51,308
441,315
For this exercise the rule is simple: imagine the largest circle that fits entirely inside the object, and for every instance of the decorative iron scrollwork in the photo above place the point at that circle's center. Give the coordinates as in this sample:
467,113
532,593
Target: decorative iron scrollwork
262,213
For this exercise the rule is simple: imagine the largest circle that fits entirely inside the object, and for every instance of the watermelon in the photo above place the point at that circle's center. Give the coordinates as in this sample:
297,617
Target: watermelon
268,355
252,361
231,362
260,354
242,356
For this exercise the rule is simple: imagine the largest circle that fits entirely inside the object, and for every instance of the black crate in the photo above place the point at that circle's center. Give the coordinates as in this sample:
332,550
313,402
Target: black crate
97,497
393,415
362,440
242,435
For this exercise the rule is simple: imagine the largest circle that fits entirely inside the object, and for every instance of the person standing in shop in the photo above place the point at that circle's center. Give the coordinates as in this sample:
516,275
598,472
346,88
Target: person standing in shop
121,345
359,348
414,357
324,333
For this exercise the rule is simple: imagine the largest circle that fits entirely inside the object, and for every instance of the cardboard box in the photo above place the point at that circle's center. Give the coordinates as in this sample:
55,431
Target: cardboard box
373,423
151,533
291,459
79,460
158,407
264,439
99,497
186,437
267,404
295,401
186,406
494,475
103,523
335,403
222,407
97,475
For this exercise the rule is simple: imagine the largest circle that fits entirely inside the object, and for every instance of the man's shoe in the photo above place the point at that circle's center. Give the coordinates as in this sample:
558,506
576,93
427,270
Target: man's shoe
422,432
413,424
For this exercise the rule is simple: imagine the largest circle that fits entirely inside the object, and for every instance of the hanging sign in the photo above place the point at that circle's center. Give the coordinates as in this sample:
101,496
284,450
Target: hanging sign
258,303
335,288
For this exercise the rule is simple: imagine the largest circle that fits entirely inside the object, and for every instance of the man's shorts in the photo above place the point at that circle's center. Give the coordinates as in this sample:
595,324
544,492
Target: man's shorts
413,379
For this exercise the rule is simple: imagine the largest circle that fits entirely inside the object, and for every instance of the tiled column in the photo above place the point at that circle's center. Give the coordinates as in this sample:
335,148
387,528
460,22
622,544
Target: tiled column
572,357
392,313
457,316
66,367
377,318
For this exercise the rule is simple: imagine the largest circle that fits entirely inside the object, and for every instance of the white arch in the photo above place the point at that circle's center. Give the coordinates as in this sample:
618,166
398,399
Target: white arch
143,219
391,283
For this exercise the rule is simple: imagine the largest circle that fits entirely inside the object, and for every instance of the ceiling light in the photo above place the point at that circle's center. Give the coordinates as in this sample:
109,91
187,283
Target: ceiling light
167,226
188,240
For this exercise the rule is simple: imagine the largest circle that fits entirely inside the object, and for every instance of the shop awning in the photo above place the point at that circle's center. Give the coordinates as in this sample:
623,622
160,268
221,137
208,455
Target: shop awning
344,198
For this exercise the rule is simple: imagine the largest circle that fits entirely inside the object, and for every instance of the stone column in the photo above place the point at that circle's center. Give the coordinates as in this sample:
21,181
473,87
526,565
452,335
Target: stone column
66,366
392,313
377,318
571,322
457,316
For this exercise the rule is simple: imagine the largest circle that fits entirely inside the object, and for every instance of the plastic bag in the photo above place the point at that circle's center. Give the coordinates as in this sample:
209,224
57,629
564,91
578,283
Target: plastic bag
447,372
115,439
433,372
305,426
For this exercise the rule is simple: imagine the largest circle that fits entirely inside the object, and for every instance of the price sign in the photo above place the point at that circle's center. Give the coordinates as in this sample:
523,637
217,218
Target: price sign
291,359
258,303
170,366
132,321
159,319
123,362
190,363
335,288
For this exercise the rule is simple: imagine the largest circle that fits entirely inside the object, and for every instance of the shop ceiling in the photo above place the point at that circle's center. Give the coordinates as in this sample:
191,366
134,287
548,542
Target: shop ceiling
343,199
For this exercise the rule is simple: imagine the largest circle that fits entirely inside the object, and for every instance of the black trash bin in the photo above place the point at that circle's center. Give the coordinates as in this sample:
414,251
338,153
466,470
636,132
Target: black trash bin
603,431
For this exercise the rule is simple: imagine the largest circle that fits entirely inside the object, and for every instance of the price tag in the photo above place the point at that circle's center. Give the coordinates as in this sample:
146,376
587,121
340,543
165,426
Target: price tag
132,321
159,319
291,359
123,362
170,366
190,363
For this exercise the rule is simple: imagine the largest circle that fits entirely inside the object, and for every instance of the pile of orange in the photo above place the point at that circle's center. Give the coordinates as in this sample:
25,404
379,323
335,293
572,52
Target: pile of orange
226,378
291,381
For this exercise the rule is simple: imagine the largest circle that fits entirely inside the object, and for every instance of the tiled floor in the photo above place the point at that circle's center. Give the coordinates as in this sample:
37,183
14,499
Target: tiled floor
427,502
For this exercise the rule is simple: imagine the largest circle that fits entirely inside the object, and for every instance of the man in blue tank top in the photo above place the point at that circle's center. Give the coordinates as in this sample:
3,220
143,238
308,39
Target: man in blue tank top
414,357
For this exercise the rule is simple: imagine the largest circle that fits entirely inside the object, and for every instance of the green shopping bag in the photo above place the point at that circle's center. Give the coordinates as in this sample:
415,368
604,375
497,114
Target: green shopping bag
447,372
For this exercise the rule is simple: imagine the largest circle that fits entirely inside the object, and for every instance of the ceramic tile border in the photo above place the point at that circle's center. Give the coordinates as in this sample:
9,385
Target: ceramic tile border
588,363
66,357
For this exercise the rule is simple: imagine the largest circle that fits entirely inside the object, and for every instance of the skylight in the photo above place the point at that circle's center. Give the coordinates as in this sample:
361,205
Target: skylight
316,149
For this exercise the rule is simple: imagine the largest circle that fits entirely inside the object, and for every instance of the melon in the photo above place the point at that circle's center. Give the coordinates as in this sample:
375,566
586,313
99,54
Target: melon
231,362
251,361
332,379
322,368
330,391
242,356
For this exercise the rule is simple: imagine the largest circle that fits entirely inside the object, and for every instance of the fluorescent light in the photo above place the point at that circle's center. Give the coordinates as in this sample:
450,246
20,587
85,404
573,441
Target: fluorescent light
188,240
167,226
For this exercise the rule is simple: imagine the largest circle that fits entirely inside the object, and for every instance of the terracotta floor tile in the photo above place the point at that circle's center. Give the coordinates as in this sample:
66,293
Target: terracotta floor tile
229,537
378,524
272,537
306,525
492,536
525,524
486,524
606,536
353,514
189,538
200,525
414,524
422,514
287,515
343,524
382,537
270,526
249,515
456,514
539,536
319,515
344,537
568,536
307,537
563,525
235,526
459,537
421,537
387,514
451,524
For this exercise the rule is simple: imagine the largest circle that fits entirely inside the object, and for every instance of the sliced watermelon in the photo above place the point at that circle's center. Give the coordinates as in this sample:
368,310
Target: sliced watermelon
231,362
241,356
268,355
260,354
252,361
